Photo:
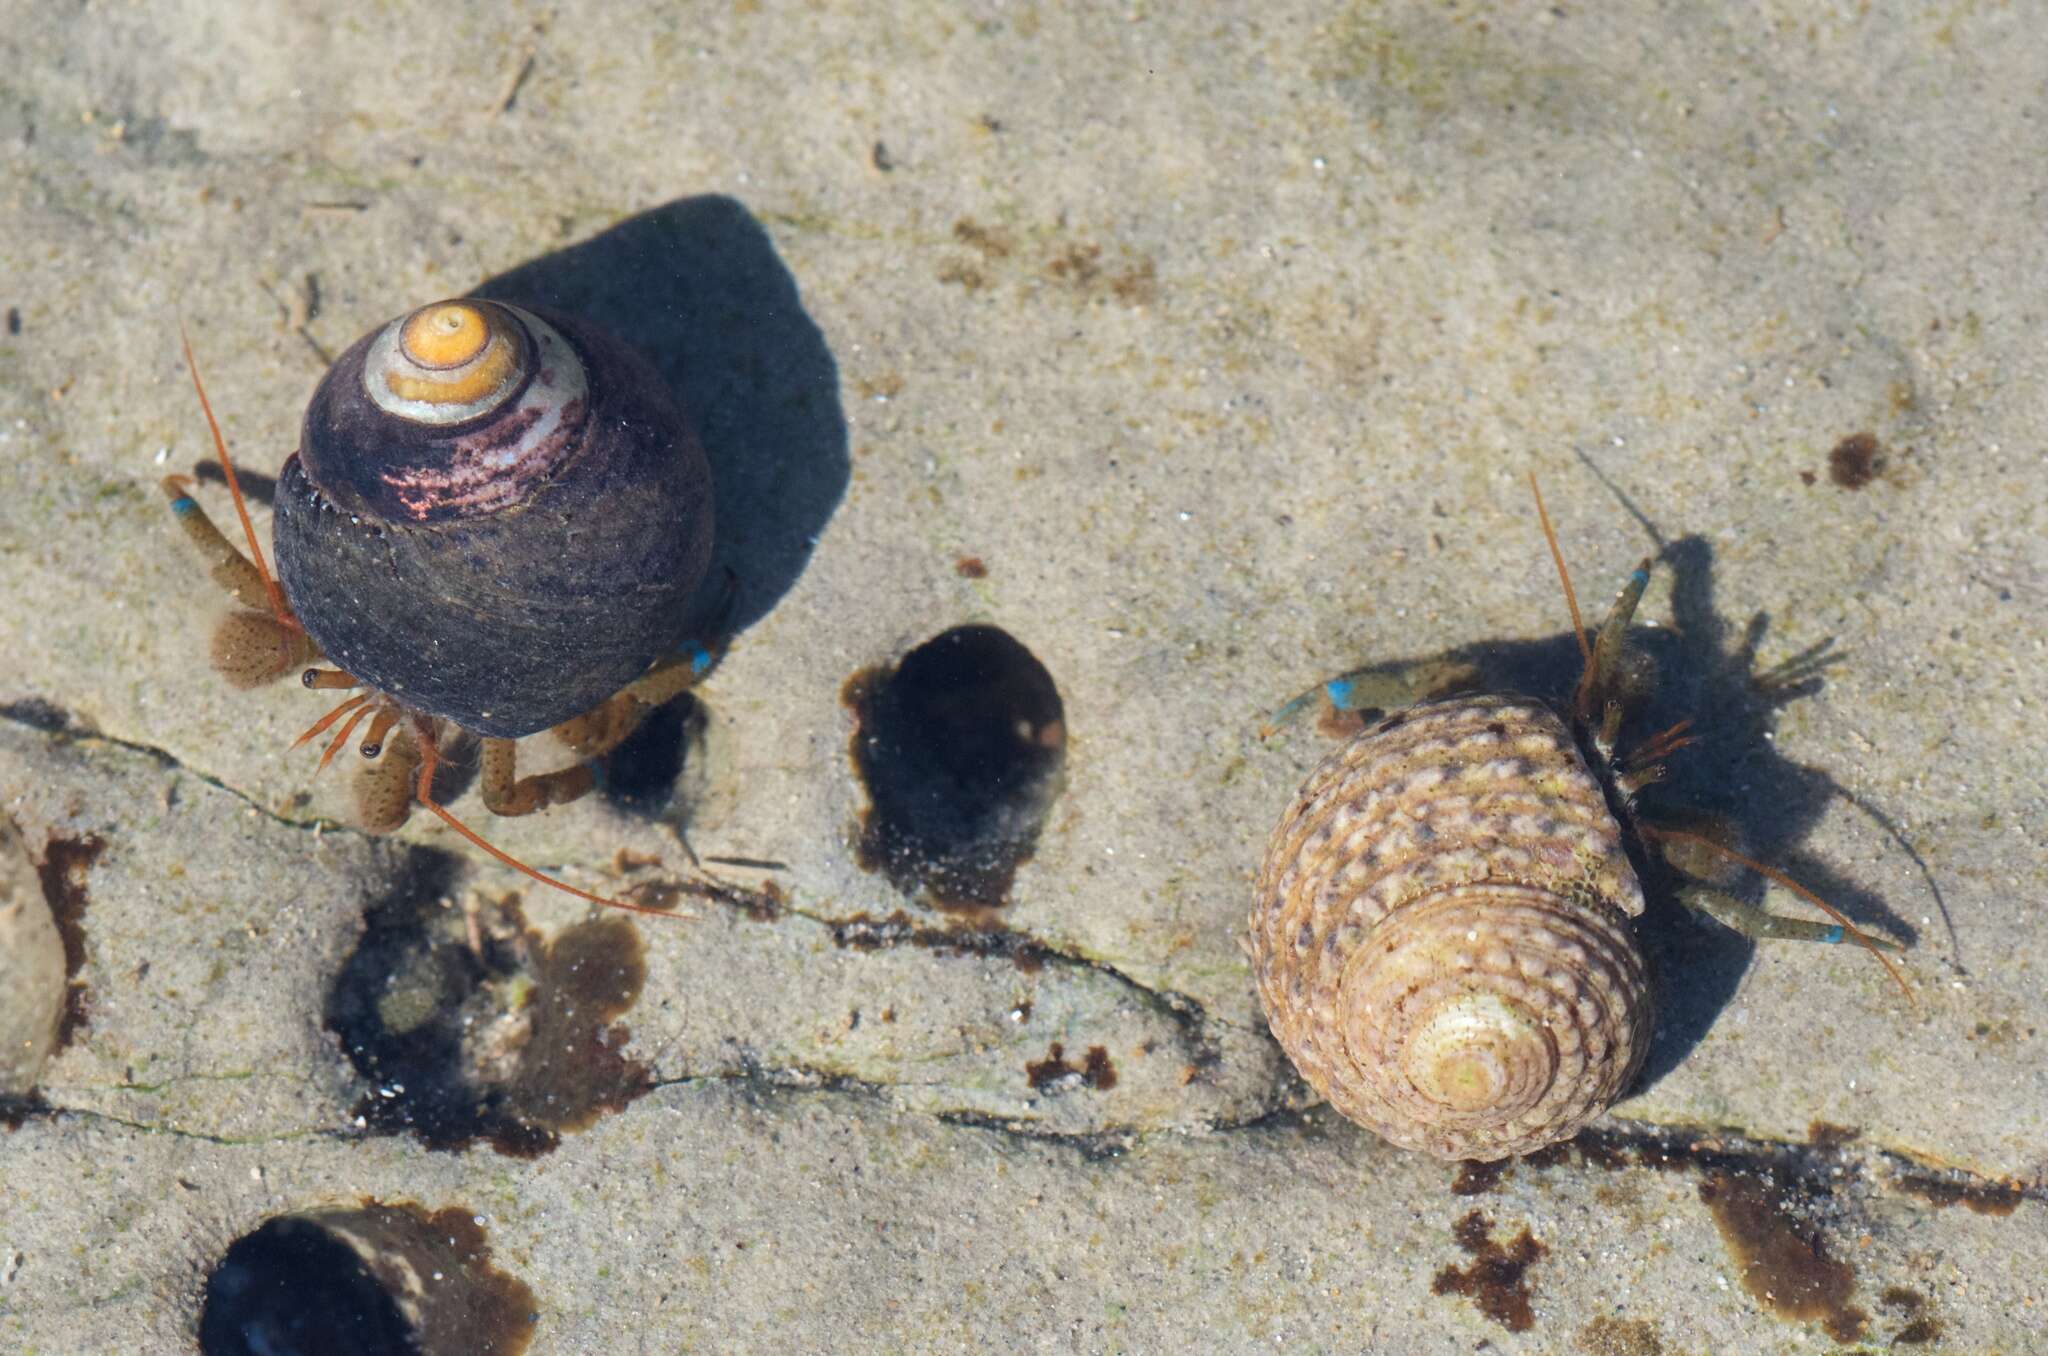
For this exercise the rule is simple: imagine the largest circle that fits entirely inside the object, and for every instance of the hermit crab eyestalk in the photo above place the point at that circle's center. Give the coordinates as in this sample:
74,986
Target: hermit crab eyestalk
495,515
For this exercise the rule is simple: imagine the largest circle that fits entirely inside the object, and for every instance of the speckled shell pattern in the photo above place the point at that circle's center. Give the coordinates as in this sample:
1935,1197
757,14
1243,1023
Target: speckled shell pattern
510,570
1441,935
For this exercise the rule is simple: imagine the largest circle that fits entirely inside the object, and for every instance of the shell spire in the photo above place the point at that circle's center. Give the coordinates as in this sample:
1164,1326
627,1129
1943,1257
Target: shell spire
476,404
447,362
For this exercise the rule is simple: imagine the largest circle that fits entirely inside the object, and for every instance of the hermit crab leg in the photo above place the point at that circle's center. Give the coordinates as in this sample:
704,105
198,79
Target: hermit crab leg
1662,744
1378,687
348,728
229,567
1607,646
1603,652
263,641
336,714
1339,691
603,727
1753,921
251,647
507,793
589,736
423,791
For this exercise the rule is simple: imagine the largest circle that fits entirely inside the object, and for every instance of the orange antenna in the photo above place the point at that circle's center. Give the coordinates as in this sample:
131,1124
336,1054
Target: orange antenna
424,790
341,737
1663,744
336,714
1571,599
235,488
1681,836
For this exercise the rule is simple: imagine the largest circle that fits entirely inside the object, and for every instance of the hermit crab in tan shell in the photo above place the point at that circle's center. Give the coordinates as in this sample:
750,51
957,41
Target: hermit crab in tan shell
493,523
1442,932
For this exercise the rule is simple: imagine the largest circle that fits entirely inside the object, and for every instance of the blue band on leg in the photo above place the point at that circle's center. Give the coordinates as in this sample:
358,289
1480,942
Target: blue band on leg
1833,934
1339,692
183,505
701,661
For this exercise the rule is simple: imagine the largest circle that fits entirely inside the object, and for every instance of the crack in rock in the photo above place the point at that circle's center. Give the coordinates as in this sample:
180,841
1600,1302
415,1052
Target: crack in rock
859,932
1818,1165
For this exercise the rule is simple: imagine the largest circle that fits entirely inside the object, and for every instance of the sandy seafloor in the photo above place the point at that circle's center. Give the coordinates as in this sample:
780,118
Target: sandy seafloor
1224,344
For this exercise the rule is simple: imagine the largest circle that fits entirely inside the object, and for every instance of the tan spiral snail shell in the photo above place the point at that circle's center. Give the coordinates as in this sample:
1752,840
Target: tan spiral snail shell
1441,932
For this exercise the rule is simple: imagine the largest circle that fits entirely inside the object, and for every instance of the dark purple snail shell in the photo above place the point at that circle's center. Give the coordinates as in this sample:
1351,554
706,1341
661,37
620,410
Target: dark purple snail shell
506,585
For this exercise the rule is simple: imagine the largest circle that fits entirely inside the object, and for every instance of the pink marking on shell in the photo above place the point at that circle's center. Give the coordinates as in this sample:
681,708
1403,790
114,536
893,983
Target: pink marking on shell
487,470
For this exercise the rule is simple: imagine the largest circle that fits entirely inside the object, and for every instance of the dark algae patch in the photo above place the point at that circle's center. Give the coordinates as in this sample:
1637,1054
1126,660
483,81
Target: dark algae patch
1823,1135
1772,1203
1495,1280
292,1286
1920,1326
1476,1178
368,1280
1856,461
1814,1167
1782,1260
1055,1071
981,936
469,1026
960,747
66,861
1097,1071
569,1069
1985,1198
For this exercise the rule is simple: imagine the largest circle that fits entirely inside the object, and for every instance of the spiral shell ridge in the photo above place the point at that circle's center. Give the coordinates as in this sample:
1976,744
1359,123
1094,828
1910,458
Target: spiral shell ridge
448,362
1441,933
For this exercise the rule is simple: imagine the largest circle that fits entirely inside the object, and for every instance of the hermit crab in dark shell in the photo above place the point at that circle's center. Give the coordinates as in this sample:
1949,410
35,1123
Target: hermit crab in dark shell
1443,929
493,523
